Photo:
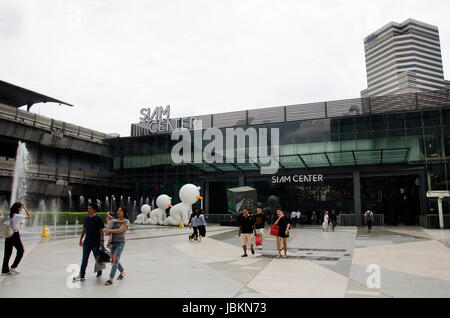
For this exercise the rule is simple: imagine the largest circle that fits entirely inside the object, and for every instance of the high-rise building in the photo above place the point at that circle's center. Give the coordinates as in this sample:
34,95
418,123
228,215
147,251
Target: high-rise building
403,58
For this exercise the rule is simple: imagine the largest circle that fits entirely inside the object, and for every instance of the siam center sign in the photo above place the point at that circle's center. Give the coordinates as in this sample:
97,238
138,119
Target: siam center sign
159,120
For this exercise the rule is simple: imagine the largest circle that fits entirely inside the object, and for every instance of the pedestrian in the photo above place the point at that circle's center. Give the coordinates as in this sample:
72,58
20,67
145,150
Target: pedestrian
293,218
118,243
260,224
14,241
246,231
93,229
314,218
368,218
325,222
283,232
298,219
201,225
193,223
333,218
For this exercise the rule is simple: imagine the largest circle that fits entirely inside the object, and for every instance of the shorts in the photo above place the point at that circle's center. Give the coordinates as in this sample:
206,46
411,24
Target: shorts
246,238
259,231
202,230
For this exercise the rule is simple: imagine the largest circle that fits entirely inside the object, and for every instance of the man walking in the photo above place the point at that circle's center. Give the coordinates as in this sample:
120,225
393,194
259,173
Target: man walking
368,217
93,229
260,224
246,229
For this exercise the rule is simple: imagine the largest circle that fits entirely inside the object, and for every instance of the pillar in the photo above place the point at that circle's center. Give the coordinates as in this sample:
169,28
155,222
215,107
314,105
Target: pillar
357,197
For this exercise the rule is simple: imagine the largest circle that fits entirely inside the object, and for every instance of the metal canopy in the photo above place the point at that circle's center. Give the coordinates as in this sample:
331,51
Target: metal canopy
316,160
16,96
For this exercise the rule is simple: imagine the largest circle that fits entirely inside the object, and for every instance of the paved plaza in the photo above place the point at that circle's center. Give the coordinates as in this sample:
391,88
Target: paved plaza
161,262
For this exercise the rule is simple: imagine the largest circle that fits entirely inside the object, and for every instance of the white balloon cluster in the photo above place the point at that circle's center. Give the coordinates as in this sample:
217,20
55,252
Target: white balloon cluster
181,212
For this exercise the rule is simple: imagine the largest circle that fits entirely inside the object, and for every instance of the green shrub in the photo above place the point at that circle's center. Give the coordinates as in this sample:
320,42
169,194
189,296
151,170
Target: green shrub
47,218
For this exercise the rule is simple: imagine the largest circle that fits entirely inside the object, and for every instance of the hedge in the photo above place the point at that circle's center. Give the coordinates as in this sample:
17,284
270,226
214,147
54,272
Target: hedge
46,218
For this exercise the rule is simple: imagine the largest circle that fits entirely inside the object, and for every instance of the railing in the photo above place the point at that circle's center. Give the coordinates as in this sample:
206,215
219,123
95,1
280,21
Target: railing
52,125
343,219
40,171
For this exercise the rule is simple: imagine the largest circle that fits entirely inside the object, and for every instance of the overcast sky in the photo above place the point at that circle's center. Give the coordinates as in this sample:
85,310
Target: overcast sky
111,58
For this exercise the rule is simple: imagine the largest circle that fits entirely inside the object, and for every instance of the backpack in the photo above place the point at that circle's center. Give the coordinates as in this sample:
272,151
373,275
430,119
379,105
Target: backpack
5,229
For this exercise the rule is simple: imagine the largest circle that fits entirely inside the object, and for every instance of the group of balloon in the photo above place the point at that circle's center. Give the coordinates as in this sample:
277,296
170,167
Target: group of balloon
181,212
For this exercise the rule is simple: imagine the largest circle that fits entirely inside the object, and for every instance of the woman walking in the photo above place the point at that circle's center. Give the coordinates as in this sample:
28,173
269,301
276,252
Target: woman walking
193,223
14,240
201,225
118,243
283,232
325,222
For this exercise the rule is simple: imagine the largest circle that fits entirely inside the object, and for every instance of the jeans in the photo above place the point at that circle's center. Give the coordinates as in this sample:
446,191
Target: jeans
116,250
84,262
334,224
10,242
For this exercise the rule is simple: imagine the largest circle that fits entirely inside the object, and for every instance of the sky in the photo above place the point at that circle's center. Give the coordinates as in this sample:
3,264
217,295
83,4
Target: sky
110,58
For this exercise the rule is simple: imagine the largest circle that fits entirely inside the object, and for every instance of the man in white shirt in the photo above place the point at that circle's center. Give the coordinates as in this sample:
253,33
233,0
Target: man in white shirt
368,219
293,218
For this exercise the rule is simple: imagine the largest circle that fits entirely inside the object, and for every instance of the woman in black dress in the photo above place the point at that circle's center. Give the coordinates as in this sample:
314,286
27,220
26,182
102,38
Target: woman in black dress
283,233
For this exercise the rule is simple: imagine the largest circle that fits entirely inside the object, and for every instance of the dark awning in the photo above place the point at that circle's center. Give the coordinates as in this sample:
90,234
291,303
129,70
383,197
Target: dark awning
327,159
16,96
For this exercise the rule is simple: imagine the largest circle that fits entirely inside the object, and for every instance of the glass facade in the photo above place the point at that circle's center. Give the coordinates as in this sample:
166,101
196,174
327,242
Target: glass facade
412,147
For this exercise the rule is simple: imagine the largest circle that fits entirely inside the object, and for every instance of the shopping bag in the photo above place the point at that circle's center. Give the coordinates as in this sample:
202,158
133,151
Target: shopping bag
5,229
258,241
274,230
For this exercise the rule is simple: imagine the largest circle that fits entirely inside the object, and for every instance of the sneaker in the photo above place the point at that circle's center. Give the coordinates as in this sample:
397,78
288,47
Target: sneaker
79,278
108,282
99,273
15,271
7,274
245,255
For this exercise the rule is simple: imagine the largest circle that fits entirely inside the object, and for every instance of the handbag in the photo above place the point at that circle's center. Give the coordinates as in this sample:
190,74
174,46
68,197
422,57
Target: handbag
274,230
258,241
104,256
5,229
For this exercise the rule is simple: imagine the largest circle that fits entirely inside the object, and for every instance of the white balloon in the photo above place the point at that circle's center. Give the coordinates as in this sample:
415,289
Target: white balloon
189,194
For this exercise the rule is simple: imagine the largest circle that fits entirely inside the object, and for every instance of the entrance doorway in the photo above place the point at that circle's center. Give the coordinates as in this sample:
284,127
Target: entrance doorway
396,197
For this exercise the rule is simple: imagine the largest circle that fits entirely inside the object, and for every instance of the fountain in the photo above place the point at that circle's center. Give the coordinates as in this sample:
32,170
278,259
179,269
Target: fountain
19,188
56,207
70,201
99,204
107,207
82,201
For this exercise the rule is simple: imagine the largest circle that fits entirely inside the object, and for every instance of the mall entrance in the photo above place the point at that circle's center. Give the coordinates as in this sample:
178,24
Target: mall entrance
397,197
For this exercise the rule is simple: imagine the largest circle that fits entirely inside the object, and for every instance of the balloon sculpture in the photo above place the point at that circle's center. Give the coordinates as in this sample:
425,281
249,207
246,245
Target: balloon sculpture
143,217
181,212
158,216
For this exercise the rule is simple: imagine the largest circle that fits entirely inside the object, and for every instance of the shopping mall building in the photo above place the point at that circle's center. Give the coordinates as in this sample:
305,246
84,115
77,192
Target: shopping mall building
381,152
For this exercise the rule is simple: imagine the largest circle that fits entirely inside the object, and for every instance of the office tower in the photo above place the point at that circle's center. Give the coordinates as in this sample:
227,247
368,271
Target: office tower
403,58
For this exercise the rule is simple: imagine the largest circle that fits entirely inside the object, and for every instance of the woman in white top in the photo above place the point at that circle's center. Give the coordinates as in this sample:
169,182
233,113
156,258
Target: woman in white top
325,222
14,240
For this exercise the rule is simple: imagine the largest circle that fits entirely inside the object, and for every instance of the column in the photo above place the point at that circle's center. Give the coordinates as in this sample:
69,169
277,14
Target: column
206,197
357,197
241,181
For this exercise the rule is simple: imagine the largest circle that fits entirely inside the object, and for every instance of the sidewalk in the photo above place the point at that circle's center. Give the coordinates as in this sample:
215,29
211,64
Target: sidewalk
161,262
